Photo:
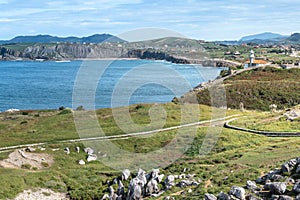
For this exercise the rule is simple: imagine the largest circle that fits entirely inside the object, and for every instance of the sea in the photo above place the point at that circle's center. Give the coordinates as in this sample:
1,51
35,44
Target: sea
33,85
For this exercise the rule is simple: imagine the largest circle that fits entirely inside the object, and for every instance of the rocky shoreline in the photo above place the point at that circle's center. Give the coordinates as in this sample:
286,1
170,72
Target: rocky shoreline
63,52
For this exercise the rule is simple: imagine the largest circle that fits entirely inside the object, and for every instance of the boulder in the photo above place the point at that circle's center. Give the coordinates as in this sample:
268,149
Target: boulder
106,196
297,197
285,197
154,173
89,151
296,188
298,169
238,192
67,150
152,187
141,175
121,189
92,157
125,174
170,181
251,185
210,197
251,197
81,162
277,187
289,166
77,149
223,196
160,178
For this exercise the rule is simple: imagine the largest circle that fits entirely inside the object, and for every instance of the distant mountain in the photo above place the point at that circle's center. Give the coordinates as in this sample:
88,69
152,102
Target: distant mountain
97,38
263,36
294,37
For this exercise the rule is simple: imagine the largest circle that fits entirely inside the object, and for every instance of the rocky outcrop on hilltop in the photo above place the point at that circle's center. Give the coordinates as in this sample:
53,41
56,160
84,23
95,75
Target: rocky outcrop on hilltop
279,184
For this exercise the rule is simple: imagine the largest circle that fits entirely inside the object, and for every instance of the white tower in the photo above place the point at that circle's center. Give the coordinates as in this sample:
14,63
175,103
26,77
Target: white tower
252,58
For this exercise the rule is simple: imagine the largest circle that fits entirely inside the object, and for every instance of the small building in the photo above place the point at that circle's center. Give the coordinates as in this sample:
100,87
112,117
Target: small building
252,62
256,63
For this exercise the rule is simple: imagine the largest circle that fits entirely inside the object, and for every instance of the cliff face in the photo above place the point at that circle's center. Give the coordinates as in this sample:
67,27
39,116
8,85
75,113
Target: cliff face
73,51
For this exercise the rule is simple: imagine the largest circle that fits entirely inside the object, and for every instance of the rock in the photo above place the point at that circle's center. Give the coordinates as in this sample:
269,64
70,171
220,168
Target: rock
170,181
223,196
274,197
210,197
135,192
289,166
81,162
125,175
106,196
277,187
251,197
77,149
238,192
190,190
67,150
92,157
251,185
285,197
154,173
169,198
298,169
89,151
141,175
121,189
152,187
30,149
298,197
182,176
160,178
296,188
290,180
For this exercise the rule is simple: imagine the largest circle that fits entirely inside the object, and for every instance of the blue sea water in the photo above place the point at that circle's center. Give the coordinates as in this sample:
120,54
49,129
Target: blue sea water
48,85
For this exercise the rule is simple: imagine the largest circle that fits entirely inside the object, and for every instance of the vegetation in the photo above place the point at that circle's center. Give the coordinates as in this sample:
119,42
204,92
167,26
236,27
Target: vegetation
236,157
257,89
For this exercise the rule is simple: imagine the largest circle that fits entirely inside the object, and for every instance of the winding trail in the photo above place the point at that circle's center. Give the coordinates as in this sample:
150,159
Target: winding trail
265,133
218,121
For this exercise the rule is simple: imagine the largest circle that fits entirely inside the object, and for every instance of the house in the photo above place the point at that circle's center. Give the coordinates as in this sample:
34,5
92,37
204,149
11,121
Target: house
256,63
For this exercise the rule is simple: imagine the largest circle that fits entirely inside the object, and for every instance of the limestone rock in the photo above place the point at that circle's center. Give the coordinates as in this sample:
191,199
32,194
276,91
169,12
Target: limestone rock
67,150
170,181
278,187
92,157
81,162
296,187
251,185
223,196
238,192
89,151
125,174
210,197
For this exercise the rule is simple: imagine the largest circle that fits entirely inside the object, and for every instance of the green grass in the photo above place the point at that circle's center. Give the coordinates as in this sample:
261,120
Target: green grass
235,158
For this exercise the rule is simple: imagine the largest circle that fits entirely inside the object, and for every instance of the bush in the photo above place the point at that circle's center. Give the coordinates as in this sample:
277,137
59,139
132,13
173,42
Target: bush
26,166
64,112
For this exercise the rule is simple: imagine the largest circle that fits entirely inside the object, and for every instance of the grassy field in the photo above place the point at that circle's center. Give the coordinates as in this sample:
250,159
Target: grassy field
236,157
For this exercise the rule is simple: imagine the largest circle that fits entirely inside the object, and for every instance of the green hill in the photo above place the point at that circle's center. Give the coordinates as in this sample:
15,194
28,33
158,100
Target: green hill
258,88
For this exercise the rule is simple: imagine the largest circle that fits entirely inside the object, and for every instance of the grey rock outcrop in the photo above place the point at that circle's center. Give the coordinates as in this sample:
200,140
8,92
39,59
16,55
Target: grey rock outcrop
238,192
278,187
125,174
170,182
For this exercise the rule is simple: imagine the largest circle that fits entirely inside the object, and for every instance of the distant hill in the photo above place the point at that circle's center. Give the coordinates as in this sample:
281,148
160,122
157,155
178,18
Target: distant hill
263,36
97,38
294,37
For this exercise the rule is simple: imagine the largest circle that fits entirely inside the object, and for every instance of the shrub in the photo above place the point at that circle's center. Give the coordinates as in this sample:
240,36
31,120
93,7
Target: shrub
26,166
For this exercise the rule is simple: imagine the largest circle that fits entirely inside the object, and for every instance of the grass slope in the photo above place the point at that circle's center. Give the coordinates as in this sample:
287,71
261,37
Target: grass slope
257,89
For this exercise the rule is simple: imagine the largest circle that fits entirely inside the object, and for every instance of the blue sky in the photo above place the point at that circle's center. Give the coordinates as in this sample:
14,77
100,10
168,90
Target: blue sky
209,19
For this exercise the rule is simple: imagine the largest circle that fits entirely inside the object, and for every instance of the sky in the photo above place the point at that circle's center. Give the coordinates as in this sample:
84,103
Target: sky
199,19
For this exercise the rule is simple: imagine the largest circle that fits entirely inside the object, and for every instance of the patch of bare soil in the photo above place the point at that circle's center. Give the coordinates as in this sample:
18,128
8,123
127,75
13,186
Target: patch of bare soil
41,194
26,160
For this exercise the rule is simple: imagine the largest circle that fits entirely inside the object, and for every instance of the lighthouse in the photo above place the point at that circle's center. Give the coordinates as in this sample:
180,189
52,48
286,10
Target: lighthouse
252,58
